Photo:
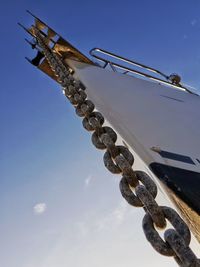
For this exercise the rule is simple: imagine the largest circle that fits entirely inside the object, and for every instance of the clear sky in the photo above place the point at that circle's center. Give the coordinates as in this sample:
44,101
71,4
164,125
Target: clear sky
59,206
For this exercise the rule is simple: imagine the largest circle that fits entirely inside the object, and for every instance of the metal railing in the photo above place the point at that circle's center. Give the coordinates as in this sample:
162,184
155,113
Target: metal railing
115,66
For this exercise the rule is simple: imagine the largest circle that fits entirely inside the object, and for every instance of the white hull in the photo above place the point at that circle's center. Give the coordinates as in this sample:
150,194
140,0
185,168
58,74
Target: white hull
146,115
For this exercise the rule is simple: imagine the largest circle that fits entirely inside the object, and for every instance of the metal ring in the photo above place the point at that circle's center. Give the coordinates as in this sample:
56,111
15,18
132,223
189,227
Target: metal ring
96,137
128,194
85,108
78,98
125,156
58,69
91,125
151,206
184,255
124,166
153,236
65,83
79,85
147,182
72,90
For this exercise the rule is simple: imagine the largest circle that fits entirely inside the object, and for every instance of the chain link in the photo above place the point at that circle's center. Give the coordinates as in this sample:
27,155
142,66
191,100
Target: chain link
136,187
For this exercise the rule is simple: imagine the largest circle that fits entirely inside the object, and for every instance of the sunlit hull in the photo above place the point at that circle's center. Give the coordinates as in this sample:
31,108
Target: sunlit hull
160,125
158,121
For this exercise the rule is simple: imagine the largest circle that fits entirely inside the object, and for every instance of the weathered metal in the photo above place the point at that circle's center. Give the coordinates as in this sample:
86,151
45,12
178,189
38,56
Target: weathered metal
177,240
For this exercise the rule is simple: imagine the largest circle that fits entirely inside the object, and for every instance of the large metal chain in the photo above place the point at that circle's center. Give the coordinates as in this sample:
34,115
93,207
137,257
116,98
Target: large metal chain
136,187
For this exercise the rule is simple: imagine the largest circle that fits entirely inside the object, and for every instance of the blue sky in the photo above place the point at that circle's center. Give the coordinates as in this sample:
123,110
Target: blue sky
47,158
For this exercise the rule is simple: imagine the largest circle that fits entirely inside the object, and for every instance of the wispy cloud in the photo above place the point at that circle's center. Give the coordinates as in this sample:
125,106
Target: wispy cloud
40,208
82,228
120,212
109,220
115,218
185,36
193,22
88,180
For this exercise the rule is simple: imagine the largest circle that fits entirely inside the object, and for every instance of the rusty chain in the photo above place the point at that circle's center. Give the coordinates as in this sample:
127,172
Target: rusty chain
136,187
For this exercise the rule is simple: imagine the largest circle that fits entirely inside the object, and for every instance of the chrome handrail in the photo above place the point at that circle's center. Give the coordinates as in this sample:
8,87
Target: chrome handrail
125,60
134,63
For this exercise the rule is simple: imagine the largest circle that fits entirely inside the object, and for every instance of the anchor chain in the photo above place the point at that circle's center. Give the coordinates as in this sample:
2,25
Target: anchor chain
136,187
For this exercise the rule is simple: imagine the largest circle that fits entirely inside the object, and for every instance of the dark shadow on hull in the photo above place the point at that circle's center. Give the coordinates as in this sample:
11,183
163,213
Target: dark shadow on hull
184,183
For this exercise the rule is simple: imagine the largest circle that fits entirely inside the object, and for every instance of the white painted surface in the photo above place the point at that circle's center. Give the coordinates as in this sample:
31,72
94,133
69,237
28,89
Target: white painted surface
143,116
146,114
